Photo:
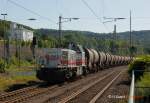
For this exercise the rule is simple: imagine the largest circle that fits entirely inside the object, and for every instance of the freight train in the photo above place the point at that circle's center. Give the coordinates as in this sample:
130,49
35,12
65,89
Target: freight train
60,64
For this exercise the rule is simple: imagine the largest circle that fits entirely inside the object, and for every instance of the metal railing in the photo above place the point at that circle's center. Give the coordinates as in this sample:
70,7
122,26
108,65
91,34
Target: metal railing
139,93
131,95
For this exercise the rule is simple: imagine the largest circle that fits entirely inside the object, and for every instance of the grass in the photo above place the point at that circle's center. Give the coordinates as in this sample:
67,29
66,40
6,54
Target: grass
15,65
144,82
23,79
9,78
7,81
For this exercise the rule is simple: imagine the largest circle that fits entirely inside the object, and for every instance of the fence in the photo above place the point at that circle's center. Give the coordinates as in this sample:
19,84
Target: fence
25,52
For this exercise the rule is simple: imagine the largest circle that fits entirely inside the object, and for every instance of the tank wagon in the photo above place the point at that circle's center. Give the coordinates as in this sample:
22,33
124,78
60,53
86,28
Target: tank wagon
59,64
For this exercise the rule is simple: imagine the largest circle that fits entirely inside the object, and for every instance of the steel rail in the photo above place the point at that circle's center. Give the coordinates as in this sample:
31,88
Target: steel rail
73,95
29,95
94,99
16,92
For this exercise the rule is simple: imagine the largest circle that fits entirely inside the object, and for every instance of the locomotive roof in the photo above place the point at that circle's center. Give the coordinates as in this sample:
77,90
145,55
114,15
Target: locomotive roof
60,49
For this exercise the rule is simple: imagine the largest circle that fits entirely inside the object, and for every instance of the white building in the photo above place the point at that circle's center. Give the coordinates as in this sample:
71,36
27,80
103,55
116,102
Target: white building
20,32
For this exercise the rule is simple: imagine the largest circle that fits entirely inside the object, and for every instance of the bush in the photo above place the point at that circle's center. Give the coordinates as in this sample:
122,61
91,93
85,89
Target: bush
14,60
140,64
142,78
144,82
14,63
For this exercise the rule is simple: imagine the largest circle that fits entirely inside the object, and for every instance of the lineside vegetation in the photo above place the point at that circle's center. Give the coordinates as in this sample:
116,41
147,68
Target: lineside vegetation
141,66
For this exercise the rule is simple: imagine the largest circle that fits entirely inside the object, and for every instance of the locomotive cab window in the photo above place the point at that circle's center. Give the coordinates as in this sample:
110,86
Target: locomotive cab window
64,55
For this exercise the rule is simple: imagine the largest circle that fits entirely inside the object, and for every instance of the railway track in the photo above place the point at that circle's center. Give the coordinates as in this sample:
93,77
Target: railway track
9,95
89,93
23,94
98,95
74,92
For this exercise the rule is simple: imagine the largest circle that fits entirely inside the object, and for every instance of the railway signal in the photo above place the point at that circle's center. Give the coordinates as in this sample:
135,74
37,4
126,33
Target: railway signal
34,41
33,45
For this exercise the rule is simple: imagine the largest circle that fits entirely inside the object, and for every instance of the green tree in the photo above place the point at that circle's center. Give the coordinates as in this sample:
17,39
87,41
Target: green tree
4,27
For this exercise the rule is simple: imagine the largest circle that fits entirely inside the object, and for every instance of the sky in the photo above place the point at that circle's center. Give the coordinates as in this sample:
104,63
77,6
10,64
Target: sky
90,12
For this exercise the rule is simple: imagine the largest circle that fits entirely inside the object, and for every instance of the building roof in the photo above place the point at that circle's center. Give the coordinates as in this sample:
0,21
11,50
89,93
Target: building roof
19,25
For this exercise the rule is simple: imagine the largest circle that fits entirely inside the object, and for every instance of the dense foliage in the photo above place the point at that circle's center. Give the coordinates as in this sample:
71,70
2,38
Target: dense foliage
4,27
14,63
50,38
100,41
144,82
141,67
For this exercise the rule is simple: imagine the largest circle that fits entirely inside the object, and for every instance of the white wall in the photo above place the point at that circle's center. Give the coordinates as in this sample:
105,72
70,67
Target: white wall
27,35
20,33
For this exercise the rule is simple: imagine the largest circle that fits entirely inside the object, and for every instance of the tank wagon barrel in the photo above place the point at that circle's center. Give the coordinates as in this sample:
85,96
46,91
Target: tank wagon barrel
102,59
96,60
89,58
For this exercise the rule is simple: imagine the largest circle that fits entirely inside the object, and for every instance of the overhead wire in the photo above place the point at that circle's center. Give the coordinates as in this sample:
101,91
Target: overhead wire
31,11
96,17
93,12
60,14
90,8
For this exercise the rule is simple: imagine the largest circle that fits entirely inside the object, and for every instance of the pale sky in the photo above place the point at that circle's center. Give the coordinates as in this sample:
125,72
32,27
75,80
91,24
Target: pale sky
47,12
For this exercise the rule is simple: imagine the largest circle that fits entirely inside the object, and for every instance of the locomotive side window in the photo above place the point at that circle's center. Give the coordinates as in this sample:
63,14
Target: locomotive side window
64,55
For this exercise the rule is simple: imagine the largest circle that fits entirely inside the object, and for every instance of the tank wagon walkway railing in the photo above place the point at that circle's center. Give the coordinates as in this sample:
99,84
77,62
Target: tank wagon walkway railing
137,91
